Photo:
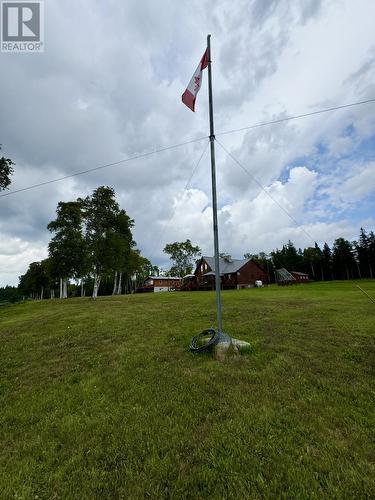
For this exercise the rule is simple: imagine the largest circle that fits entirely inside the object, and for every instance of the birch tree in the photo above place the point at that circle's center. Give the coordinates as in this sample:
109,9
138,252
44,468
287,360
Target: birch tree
121,258
108,235
67,249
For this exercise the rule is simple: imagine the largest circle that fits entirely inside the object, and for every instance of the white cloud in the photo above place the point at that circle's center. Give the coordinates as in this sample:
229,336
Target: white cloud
357,186
15,257
246,224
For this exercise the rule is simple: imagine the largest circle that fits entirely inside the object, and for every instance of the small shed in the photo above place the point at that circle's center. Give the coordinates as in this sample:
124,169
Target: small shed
284,277
300,277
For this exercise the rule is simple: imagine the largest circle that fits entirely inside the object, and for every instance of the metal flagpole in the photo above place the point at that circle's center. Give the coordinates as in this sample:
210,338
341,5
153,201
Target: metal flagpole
214,197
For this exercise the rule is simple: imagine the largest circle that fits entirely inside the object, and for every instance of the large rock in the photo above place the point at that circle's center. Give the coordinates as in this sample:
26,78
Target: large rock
227,347
223,350
230,348
241,345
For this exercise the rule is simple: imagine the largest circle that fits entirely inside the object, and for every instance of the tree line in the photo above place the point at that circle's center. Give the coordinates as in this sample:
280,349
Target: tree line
92,249
344,261
93,246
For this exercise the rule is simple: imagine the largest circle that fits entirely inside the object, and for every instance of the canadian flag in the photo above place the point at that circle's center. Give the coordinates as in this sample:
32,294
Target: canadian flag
190,94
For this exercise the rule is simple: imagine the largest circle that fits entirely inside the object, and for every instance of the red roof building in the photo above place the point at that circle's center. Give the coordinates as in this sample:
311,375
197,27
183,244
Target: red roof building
234,273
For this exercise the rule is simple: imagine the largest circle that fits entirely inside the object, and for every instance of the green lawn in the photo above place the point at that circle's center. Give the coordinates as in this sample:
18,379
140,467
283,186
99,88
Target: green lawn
103,399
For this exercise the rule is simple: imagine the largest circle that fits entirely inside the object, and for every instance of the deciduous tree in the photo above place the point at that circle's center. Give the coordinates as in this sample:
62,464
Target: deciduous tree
108,234
6,170
182,255
67,249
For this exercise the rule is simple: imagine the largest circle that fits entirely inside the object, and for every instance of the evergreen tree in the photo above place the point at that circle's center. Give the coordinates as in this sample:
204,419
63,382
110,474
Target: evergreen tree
363,255
10,294
277,257
343,259
288,257
264,261
327,262
312,257
371,254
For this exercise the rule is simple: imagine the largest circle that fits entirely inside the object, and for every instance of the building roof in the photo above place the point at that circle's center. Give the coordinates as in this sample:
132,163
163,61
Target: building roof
163,278
227,266
211,273
299,273
283,275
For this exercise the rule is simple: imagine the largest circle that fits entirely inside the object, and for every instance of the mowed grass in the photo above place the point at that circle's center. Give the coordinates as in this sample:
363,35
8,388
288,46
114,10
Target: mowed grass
104,400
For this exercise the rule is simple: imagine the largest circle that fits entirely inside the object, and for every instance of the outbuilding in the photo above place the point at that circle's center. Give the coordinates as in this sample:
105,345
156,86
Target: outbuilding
300,277
160,284
284,277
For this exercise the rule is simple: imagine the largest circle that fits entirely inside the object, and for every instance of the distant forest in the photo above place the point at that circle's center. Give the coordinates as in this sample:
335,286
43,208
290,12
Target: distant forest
344,261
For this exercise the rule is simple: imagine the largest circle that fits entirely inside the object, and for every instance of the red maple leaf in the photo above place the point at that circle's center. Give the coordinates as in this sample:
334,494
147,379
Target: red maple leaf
197,80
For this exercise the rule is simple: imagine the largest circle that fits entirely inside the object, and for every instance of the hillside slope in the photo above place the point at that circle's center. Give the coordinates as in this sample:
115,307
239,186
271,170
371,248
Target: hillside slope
103,399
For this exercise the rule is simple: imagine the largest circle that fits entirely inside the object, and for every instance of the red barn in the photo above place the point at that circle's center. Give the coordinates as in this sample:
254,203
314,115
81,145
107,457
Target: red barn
234,273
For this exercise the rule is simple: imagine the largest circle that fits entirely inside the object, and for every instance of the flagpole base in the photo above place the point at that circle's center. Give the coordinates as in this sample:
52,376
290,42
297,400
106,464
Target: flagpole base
219,343
224,349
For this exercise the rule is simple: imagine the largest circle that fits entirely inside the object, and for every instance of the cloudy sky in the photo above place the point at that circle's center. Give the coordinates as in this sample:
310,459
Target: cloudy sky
108,86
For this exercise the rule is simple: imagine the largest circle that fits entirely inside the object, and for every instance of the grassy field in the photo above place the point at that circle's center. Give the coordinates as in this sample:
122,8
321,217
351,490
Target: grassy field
103,399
